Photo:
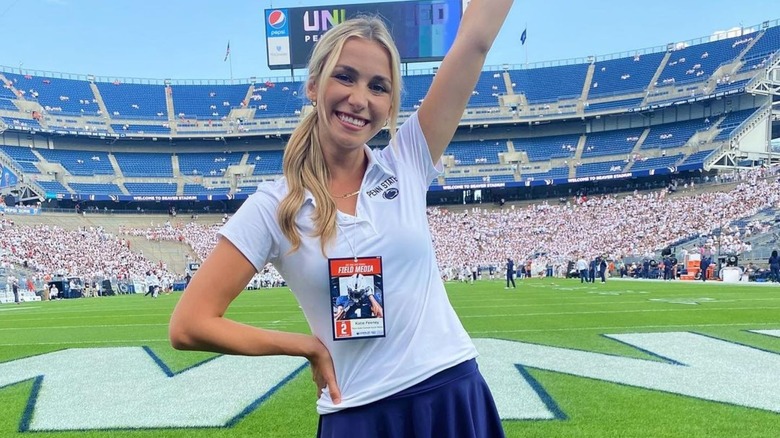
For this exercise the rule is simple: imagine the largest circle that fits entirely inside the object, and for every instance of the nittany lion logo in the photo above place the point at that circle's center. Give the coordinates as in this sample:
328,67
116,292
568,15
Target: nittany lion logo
390,193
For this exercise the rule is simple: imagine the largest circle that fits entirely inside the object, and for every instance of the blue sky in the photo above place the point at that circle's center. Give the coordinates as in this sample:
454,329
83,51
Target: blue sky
186,39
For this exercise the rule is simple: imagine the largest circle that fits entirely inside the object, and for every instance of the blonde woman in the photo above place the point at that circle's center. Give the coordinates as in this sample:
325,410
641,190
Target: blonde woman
342,209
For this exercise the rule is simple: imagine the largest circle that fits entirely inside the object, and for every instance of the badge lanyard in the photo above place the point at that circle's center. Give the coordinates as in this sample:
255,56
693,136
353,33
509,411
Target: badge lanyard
350,237
356,293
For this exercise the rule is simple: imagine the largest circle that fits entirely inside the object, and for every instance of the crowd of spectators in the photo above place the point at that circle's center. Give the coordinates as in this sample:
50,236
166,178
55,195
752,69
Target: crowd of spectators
202,238
546,237
89,253
543,237
612,226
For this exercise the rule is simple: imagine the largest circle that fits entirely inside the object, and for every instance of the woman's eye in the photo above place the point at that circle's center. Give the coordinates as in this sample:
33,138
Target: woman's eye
343,77
378,88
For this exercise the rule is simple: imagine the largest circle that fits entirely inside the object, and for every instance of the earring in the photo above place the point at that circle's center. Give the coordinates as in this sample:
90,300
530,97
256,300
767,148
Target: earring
314,103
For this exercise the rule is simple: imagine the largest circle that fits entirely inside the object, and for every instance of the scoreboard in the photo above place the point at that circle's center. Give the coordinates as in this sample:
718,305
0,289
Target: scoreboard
423,30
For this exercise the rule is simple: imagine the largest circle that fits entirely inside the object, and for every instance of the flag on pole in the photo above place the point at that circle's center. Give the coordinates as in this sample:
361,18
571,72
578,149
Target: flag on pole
227,52
522,37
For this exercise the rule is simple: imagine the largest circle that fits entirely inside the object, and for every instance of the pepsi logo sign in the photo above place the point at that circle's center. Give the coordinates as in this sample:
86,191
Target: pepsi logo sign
277,19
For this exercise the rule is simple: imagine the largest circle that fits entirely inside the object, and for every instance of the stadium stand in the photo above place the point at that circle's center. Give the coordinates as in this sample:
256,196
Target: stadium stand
145,164
415,88
549,84
661,113
207,101
275,99
23,157
620,142
82,163
546,148
133,101
615,114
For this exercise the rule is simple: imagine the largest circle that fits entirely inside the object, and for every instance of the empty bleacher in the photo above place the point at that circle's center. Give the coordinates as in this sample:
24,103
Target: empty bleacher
697,62
82,163
731,122
546,148
601,168
762,50
22,124
476,152
198,189
207,101
614,104
53,188
209,164
134,101
489,87
151,188
622,75
672,135
266,162
620,142
55,95
549,84
656,162
275,99
694,160
553,173
619,90
130,128
144,164
96,188
415,89
24,157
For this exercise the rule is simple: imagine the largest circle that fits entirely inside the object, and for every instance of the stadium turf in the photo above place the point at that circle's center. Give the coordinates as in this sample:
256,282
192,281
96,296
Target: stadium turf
543,312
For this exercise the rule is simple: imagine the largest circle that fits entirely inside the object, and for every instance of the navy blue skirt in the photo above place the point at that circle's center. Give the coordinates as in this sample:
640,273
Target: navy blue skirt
455,403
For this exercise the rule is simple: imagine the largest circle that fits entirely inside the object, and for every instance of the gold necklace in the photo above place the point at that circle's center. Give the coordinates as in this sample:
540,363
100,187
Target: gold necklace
348,195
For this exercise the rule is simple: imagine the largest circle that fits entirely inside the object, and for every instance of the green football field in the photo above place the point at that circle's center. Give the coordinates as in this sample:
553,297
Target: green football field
564,359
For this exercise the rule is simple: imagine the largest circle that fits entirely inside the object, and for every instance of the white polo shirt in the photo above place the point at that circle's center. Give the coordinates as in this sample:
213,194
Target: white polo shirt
423,334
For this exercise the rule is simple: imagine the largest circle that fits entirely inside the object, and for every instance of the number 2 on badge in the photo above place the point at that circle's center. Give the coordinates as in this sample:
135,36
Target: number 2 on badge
344,328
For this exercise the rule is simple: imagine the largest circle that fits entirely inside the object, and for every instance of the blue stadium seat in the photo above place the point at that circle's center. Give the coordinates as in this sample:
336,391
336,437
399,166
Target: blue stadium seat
549,84
162,189
620,142
83,163
57,96
656,162
547,148
476,152
144,164
134,101
266,162
623,75
207,101
208,164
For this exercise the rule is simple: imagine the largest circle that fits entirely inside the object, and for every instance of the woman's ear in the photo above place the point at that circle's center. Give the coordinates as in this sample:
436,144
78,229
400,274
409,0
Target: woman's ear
311,91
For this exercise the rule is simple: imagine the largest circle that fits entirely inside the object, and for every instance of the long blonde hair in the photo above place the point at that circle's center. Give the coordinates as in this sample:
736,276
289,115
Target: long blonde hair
304,163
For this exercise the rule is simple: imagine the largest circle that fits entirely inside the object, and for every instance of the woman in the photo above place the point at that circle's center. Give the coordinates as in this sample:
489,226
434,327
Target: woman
341,209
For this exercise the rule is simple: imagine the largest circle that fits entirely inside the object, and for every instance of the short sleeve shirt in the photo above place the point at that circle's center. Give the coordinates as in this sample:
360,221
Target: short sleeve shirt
423,334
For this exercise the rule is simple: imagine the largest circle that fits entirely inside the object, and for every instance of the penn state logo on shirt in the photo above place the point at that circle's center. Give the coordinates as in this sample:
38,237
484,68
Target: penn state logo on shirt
390,193
385,190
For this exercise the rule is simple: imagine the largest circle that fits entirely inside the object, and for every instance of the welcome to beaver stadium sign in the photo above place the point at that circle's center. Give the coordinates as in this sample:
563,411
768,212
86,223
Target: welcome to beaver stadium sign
221,391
